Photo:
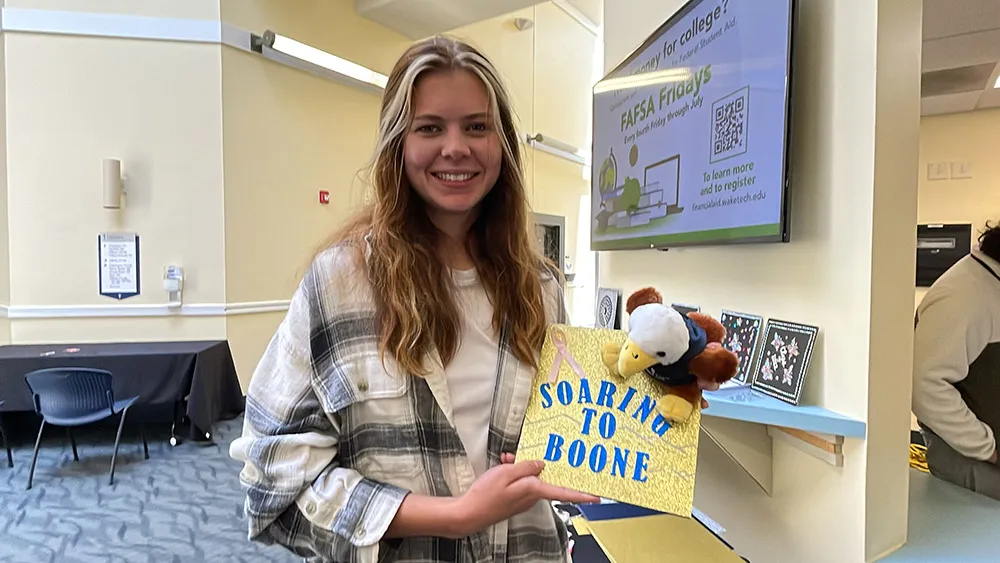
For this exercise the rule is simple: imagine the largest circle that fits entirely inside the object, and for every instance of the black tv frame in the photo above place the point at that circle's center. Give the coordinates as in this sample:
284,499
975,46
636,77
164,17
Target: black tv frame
784,235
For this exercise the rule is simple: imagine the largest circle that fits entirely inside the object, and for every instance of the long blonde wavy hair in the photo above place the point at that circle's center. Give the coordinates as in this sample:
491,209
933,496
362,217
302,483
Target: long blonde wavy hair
415,308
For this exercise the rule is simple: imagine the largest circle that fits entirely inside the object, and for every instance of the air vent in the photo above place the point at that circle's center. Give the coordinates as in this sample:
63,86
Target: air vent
955,80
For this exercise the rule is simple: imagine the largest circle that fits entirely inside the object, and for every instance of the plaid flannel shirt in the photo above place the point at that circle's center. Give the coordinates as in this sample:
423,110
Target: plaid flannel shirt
333,441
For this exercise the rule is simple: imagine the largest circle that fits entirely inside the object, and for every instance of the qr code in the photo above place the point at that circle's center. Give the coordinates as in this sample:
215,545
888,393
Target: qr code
729,125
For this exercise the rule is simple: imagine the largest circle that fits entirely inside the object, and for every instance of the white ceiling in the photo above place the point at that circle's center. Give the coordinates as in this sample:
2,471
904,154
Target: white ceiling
961,56
417,19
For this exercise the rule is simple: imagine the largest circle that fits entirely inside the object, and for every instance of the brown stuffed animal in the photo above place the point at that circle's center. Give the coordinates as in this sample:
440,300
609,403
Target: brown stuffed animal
674,349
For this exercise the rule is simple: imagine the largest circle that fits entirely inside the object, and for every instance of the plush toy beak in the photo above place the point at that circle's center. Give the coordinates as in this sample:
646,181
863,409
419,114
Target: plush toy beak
632,359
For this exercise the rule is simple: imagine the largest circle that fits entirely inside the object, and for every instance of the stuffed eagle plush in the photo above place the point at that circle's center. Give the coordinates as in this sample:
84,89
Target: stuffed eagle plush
675,350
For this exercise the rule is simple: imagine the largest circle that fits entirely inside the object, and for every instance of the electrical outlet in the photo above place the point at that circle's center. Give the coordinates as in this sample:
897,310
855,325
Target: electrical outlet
961,170
938,171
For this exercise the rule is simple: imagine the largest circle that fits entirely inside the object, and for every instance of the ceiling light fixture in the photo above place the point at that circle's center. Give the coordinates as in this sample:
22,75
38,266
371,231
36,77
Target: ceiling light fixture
558,148
310,59
997,83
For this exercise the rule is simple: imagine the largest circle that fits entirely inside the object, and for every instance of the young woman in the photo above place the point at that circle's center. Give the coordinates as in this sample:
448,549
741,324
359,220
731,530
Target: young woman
381,419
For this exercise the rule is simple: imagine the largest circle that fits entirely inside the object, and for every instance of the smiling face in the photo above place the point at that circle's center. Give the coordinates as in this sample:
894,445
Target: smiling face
452,153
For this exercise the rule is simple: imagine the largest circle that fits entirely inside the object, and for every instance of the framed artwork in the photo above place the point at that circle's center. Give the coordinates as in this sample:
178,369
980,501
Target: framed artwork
783,361
609,305
685,309
550,231
742,339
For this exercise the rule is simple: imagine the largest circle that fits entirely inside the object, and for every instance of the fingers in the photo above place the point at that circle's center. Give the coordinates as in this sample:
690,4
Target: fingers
524,469
526,473
507,458
551,492
706,385
704,404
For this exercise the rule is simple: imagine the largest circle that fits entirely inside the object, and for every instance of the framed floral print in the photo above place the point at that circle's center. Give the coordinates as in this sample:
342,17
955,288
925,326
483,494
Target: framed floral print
742,339
783,360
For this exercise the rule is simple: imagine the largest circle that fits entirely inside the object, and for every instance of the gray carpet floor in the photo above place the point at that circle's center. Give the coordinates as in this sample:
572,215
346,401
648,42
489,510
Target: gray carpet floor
184,504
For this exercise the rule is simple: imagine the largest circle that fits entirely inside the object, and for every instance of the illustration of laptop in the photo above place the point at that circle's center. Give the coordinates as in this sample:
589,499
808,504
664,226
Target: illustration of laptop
662,180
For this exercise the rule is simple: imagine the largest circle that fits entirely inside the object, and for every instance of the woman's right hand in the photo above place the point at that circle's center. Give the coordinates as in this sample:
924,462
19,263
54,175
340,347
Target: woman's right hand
508,489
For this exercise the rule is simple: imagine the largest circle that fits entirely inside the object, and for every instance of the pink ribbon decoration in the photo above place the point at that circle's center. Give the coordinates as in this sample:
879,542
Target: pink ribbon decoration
563,354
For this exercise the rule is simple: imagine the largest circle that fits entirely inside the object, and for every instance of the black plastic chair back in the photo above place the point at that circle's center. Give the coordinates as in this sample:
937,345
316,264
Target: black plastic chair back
71,392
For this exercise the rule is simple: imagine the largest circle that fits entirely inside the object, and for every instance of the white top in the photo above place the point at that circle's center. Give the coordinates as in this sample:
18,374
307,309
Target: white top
959,316
472,374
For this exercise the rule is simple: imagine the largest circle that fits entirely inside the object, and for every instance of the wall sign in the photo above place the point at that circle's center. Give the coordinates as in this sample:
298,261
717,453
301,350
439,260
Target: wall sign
118,264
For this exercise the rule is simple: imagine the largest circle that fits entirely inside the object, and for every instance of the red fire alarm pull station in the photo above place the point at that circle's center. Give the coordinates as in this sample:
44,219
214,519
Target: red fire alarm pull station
324,197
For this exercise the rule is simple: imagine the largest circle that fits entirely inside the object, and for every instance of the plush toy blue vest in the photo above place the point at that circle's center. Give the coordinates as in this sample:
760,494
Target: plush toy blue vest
679,373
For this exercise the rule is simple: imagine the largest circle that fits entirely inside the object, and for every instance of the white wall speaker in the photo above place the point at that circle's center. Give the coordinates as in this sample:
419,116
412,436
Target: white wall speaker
113,186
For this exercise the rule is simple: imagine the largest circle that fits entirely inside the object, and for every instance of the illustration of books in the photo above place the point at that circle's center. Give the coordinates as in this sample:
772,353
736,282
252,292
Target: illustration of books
634,205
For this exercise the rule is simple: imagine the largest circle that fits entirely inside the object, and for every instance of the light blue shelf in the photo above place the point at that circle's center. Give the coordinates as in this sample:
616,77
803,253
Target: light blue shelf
743,404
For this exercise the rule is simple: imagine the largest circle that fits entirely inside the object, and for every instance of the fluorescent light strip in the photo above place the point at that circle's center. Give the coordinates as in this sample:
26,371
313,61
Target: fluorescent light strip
307,58
997,83
330,62
558,148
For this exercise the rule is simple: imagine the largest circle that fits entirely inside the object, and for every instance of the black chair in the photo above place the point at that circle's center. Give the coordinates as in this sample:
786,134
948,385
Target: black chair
3,438
72,397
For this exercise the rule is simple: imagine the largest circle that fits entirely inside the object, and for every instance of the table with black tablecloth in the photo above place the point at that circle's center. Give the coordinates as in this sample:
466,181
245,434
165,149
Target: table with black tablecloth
197,377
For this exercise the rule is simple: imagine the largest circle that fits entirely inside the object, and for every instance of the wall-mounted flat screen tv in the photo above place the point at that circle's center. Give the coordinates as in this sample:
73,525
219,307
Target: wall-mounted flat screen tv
691,131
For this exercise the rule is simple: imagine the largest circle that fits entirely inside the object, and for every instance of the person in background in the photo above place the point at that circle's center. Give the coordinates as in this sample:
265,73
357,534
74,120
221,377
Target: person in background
382,418
956,371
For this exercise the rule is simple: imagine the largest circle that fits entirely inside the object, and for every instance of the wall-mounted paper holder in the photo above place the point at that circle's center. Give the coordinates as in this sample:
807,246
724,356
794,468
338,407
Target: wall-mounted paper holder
173,284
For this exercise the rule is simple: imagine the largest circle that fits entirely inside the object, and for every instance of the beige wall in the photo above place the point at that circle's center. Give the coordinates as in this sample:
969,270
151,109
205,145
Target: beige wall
563,65
848,270
564,75
558,186
962,137
4,216
513,53
288,135
330,25
72,101
224,154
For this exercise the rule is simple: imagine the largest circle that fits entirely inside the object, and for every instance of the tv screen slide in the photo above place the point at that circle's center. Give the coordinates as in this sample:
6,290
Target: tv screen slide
690,131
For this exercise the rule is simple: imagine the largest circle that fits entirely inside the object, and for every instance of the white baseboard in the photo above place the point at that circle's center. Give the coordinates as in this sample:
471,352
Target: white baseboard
142,310
257,307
